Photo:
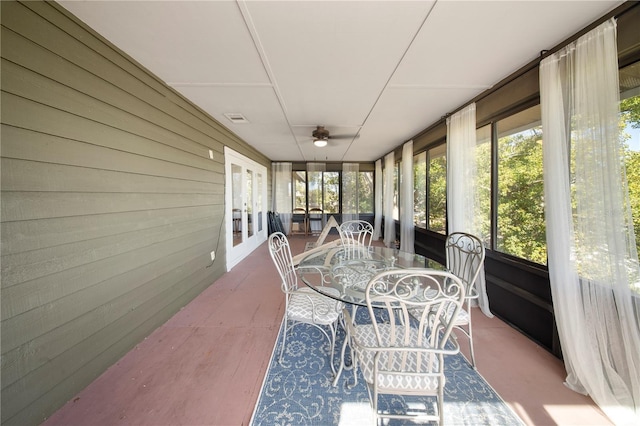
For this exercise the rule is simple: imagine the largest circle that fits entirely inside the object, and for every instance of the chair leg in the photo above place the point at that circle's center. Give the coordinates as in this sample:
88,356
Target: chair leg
469,334
374,402
333,347
284,339
440,403
473,357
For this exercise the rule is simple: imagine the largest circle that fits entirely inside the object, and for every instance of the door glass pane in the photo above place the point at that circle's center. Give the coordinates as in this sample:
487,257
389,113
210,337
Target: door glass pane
249,194
437,188
236,195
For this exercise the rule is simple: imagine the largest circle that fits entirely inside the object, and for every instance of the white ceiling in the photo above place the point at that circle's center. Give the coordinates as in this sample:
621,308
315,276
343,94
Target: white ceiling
379,70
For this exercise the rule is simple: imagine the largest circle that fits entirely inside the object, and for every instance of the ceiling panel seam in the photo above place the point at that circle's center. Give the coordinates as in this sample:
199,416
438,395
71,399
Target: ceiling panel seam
253,32
386,84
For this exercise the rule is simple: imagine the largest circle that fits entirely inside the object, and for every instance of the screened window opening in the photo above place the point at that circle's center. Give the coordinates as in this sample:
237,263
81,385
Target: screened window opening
325,191
437,189
420,190
300,188
521,229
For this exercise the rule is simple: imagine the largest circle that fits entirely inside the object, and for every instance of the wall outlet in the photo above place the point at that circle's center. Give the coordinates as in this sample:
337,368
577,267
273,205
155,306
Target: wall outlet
213,256
211,154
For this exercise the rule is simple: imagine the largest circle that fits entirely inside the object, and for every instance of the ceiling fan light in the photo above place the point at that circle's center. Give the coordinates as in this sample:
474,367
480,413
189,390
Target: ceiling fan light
320,142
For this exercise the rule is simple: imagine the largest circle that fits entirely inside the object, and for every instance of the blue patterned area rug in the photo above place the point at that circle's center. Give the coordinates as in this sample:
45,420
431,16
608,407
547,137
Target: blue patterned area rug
300,391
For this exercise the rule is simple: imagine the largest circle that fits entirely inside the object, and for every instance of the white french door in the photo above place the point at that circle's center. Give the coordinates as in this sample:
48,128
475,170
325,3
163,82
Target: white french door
245,201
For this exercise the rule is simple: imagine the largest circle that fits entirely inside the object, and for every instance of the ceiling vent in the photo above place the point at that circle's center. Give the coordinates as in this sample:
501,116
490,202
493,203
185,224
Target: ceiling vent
236,117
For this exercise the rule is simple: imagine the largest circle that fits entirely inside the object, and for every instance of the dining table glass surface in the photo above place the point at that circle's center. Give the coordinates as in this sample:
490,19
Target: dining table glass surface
349,269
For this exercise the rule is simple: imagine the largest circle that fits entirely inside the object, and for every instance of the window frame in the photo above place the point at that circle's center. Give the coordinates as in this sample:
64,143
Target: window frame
340,190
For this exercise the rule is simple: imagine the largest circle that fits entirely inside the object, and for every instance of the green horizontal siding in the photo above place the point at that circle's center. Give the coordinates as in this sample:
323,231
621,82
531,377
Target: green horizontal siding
110,206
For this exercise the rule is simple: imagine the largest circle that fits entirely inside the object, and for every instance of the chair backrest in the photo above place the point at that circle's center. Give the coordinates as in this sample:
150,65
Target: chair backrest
281,255
392,294
315,213
465,259
315,217
356,232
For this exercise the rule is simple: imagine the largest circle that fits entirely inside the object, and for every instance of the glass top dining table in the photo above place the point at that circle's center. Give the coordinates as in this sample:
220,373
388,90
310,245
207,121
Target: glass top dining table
349,269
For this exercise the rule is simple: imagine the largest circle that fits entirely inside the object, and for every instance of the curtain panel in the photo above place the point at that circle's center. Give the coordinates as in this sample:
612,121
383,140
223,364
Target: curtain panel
462,177
315,195
407,227
389,222
377,219
350,182
593,263
282,200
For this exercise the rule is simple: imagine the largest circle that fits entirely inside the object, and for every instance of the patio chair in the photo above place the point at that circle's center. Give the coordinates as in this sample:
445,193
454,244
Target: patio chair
316,217
356,232
465,259
299,217
356,237
398,354
303,304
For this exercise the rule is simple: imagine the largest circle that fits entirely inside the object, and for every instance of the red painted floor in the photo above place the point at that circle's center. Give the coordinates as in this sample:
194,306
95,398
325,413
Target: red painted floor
205,365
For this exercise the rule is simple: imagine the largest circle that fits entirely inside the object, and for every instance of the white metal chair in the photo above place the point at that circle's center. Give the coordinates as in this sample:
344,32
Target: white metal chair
356,234
303,304
465,259
398,354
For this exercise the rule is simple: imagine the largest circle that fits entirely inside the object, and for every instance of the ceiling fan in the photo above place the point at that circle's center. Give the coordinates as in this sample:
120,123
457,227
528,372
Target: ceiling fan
321,136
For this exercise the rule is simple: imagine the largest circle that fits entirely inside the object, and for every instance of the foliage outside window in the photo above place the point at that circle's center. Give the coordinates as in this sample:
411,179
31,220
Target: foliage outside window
331,192
314,192
437,189
630,125
420,190
521,224
365,192
349,192
325,189
357,192
300,188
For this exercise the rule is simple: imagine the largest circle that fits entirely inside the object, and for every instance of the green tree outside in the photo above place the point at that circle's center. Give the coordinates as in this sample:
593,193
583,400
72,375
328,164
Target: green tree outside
630,116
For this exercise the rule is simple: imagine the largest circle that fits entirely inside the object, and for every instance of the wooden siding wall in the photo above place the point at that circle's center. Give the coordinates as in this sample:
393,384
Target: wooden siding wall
110,206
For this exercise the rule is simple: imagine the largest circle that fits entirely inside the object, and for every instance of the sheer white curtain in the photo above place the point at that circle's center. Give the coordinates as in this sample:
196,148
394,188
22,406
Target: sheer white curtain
462,177
316,167
406,199
281,192
350,205
315,177
377,218
389,222
593,263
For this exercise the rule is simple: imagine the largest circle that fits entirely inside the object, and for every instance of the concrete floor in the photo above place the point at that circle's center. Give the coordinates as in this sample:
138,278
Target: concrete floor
205,365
